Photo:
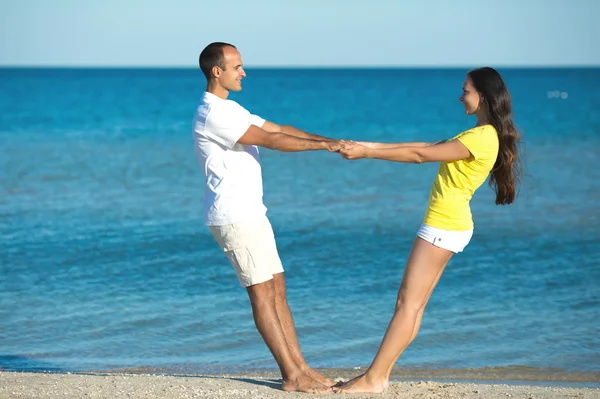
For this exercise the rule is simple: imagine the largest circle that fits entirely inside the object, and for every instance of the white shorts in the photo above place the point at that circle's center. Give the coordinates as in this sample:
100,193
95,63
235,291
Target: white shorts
454,241
251,249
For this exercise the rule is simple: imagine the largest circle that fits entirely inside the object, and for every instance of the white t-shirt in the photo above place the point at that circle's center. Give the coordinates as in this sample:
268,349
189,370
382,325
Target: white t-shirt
232,171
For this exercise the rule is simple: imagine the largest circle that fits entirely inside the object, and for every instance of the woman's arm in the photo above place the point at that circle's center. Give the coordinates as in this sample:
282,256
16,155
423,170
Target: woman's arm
446,151
375,145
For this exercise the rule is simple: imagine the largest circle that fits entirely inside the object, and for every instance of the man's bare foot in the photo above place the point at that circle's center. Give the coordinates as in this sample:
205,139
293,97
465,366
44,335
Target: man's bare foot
362,384
304,383
315,375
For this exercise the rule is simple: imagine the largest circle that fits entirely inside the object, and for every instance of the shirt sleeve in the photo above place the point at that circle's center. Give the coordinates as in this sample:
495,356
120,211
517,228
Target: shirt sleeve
257,120
474,141
226,125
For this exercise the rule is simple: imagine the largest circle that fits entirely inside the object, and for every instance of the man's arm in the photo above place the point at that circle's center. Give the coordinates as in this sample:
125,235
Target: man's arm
285,142
292,131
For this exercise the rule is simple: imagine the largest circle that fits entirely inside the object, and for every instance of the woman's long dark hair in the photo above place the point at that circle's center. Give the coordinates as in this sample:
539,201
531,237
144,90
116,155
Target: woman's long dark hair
506,174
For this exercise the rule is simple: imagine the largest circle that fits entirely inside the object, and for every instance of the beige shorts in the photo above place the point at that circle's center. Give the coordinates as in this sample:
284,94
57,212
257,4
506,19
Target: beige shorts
251,249
454,241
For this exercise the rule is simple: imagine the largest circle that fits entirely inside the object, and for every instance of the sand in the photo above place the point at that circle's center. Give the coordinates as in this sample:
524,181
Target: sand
17,385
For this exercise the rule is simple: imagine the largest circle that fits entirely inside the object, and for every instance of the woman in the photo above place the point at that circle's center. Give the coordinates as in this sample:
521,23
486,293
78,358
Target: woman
488,149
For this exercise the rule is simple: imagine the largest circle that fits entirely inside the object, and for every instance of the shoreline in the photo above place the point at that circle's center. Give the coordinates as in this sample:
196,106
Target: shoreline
507,375
17,385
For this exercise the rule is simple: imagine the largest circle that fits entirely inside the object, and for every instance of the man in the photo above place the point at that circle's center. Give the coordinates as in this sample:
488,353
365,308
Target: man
226,137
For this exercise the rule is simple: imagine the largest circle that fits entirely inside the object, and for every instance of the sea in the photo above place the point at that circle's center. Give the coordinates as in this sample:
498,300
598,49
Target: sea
105,263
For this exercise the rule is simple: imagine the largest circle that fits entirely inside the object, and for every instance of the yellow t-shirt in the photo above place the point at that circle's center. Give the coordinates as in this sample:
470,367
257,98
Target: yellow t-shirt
456,181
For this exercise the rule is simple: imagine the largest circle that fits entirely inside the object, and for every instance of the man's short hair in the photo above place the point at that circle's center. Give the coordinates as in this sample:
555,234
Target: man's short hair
212,56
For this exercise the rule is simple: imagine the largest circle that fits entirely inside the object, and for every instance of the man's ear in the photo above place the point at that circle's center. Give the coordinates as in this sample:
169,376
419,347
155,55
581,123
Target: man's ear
216,71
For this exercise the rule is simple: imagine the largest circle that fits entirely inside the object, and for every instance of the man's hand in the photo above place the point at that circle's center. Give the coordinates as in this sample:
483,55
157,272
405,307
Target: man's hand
353,151
336,145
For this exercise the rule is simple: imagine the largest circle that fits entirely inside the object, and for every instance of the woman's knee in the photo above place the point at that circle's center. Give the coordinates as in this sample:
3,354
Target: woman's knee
409,304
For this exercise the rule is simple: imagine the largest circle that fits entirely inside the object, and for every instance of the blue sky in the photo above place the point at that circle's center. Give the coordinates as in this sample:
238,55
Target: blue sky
302,32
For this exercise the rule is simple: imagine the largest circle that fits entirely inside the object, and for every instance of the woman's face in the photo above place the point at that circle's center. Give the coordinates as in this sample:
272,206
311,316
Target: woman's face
470,97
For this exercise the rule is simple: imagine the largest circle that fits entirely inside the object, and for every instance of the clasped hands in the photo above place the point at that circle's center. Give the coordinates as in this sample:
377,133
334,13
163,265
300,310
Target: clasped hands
350,149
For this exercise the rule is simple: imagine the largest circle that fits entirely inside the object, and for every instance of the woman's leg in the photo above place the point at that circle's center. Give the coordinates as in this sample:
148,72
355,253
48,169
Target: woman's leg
424,267
420,316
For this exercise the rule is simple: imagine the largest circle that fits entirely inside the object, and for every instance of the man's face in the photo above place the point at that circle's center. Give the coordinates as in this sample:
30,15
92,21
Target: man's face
231,77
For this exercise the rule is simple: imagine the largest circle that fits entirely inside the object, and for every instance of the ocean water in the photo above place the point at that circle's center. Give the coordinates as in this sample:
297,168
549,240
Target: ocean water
105,263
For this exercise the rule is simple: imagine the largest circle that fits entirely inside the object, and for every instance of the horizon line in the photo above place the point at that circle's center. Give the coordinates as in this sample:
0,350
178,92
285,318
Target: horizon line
308,67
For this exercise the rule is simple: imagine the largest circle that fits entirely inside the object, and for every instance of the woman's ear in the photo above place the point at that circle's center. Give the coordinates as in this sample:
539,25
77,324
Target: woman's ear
482,103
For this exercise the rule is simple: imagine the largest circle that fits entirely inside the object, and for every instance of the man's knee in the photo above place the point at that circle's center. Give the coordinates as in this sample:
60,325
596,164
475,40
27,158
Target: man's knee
280,298
280,291
261,293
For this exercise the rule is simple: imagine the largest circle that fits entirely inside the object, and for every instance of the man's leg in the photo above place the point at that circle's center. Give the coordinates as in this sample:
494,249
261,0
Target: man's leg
289,330
262,299
244,246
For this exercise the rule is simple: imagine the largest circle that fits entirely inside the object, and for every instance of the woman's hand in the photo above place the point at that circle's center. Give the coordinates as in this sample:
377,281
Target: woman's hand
353,150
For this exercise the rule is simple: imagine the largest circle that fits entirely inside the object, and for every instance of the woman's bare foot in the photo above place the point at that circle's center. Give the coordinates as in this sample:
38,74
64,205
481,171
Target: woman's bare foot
315,375
362,384
304,383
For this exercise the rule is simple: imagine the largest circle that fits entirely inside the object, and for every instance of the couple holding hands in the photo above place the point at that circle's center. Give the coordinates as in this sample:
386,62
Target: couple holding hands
226,139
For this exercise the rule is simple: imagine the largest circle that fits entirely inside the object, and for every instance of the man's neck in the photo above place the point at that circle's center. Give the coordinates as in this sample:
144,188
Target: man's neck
217,90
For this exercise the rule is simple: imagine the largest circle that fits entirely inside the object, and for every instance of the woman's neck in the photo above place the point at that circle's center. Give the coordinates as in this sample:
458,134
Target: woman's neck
482,119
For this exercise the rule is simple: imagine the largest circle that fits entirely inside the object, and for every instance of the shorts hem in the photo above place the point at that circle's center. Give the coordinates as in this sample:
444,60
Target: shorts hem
450,240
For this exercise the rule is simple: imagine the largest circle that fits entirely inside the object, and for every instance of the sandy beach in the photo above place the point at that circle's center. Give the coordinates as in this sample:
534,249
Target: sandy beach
17,385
